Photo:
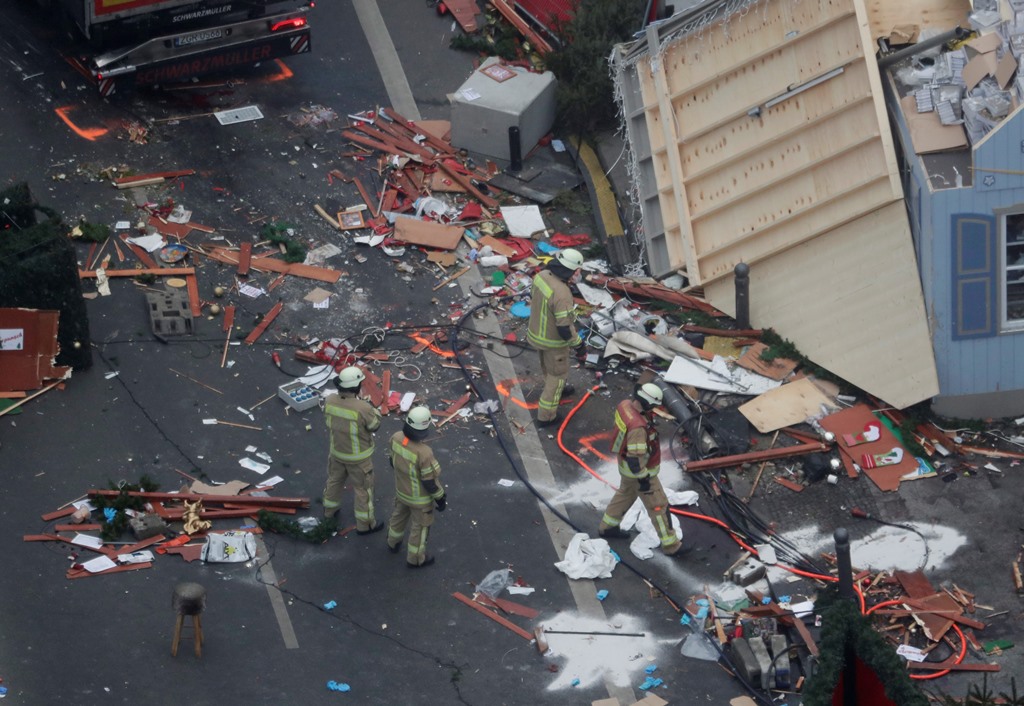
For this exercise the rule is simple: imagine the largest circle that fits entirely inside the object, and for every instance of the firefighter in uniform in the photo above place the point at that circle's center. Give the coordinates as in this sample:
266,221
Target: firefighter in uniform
418,489
352,422
639,452
551,331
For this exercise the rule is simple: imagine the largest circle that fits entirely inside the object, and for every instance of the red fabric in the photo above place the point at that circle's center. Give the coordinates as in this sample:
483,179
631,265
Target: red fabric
561,240
870,689
522,246
549,12
471,212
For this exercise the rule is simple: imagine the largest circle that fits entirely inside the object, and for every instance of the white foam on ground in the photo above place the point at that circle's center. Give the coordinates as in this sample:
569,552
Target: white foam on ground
594,658
887,548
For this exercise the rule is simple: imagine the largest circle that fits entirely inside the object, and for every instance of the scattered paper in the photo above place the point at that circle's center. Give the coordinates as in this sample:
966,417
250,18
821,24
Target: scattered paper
250,449
110,376
325,304
86,540
914,654
520,590
523,221
271,482
100,563
248,463
149,243
209,421
139,557
122,225
470,94
506,482
247,413
250,291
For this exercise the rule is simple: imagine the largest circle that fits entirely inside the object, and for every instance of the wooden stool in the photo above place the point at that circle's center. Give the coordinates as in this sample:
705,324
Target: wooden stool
189,599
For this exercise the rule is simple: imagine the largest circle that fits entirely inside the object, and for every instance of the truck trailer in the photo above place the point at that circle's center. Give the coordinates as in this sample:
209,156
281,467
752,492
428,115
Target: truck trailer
142,43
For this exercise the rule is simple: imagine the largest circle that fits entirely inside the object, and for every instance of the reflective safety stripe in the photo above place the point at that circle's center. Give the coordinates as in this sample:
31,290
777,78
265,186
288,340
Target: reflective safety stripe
411,468
330,504
349,417
544,403
541,326
611,521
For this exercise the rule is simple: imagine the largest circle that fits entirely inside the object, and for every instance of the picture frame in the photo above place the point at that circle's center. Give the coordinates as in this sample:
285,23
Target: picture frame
348,220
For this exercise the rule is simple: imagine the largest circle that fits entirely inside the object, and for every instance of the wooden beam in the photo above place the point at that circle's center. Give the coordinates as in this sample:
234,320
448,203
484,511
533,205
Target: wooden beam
158,271
268,318
244,259
260,500
493,616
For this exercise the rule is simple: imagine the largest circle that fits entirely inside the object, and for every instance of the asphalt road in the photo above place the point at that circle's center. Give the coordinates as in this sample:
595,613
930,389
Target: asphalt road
397,636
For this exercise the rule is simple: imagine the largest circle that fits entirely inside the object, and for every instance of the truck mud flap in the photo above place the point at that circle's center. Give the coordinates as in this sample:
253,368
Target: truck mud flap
181,69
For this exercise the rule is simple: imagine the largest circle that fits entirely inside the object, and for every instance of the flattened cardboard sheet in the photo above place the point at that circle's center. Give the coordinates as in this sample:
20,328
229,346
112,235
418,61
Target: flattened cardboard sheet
427,233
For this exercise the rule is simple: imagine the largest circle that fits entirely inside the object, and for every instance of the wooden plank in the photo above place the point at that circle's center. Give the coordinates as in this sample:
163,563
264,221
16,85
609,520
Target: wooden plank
229,318
206,499
57,514
493,616
268,318
940,15
321,274
953,666
195,304
468,185
84,527
792,403
158,271
786,483
385,386
244,259
155,175
120,568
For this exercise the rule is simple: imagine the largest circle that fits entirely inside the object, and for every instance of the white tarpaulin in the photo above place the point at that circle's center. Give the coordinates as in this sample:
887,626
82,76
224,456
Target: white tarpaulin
718,376
587,558
644,544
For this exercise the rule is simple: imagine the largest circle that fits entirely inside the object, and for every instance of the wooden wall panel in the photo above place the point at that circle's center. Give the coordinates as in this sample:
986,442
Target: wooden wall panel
849,300
927,14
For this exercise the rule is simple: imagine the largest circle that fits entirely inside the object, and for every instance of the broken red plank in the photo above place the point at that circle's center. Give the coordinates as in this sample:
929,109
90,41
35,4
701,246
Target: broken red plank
468,185
787,483
57,514
493,616
385,386
82,573
516,608
158,271
192,286
188,552
437,143
84,527
268,318
244,259
953,666
755,456
366,198
155,175
510,14
229,318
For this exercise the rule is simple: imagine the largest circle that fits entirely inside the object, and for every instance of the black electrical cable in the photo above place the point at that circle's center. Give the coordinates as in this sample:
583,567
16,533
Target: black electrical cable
557,513
454,669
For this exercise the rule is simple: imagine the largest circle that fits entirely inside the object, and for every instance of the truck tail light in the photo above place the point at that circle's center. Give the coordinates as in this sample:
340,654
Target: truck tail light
293,23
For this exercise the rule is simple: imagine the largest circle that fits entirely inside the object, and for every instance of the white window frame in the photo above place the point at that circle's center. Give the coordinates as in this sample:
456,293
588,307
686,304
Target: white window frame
1006,325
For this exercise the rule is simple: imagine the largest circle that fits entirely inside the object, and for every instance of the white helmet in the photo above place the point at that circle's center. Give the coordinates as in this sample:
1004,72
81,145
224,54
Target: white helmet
350,378
650,393
570,258
419,418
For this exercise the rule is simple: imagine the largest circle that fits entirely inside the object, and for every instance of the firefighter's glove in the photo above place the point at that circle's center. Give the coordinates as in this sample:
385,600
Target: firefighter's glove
645,485
441,503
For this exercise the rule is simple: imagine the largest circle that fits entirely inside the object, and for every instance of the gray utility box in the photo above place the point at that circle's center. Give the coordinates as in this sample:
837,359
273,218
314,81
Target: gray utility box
484,108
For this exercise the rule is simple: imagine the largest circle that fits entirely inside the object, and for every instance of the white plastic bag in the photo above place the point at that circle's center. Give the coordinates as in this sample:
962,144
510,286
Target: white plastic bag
229,547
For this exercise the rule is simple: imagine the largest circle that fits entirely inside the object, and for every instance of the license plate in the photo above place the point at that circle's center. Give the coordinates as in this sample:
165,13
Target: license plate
208,35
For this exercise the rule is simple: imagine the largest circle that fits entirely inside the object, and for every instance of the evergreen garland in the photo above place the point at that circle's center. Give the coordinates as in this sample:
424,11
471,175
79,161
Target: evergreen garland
842,625
270,522
115,525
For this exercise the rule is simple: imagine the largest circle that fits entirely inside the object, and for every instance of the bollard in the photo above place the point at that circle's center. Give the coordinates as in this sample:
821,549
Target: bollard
515,150
742,283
